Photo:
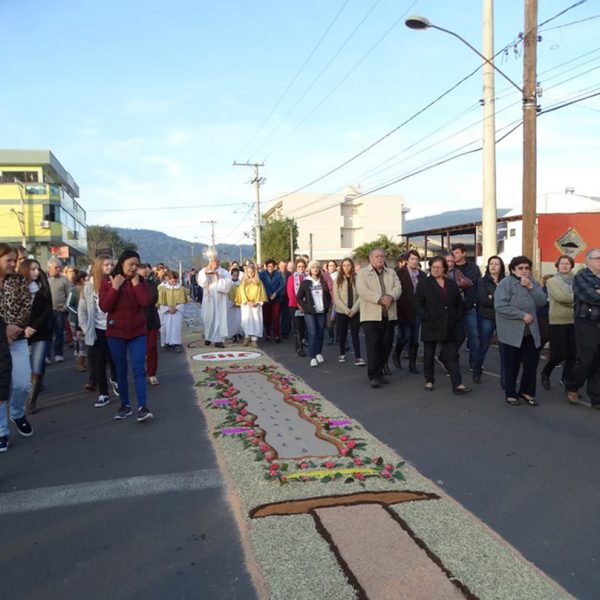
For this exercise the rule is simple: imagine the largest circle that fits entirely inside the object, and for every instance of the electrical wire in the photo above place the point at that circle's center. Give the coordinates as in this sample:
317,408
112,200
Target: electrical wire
294,78
571,23
342,80
320,74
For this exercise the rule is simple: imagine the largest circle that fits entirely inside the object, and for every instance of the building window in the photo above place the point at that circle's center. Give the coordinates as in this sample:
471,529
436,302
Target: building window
512,232
22,176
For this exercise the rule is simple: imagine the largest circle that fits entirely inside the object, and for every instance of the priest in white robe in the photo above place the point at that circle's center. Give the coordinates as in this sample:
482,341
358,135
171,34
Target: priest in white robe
216,283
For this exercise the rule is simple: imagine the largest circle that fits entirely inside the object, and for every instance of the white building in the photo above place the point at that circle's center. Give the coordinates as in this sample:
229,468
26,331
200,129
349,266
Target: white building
330,226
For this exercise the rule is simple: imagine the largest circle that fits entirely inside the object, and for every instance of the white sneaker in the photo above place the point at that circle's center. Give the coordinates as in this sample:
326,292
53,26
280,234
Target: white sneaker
102,401
320,358
153,380
59,358
342,358
313,362
359,362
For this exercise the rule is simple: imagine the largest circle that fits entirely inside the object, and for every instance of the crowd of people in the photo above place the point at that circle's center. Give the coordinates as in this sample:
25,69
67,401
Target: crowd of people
116,312
445,307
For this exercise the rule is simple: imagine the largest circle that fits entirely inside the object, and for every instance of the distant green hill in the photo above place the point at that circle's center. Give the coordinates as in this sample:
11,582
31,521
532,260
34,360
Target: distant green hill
453,217
155,246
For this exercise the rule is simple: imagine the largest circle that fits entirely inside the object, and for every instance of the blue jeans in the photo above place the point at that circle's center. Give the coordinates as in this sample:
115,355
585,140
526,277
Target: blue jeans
472,333
58,333
137,352
38,356
20,384
315,329
408,334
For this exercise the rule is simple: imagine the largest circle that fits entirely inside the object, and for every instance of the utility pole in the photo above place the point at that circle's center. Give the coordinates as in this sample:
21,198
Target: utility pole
292,242
529,129
489,233
257,181
310,245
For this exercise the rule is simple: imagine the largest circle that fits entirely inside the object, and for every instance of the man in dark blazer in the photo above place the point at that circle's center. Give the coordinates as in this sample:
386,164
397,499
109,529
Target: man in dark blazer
408,323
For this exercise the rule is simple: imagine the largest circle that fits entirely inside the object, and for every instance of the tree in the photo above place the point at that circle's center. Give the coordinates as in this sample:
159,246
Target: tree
103,239
391,249
275,238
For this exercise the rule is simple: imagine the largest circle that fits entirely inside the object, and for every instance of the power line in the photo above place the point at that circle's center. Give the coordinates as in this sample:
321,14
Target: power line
166,207
343,79
571,23
294,79
312,84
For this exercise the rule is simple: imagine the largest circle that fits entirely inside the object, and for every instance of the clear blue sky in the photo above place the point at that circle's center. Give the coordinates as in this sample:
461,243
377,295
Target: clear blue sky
147,104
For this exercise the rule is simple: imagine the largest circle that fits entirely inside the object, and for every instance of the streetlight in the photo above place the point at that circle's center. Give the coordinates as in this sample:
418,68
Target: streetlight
489,215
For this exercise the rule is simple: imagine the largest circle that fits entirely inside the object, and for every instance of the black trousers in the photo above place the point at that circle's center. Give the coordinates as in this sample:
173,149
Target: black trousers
562,347
526,356
102,358
379,337
587,367
343,322
448,355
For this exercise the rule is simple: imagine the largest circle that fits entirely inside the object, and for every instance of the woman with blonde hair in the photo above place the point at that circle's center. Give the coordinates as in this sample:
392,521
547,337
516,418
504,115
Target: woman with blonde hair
250,297
314,299
92,321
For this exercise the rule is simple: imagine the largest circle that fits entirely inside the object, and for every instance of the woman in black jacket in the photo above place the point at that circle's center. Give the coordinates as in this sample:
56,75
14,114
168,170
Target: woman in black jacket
440,306
314,299
39,329
486,315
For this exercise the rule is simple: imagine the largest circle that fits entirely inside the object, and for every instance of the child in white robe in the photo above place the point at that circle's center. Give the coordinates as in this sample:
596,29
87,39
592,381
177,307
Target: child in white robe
172,298
250,297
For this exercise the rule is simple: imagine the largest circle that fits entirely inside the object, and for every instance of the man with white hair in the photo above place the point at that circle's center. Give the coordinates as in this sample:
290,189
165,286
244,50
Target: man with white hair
586,288
216,283
59,289
378,289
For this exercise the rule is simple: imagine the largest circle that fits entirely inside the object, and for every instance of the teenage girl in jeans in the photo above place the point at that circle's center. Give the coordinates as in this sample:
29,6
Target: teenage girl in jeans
39,329
314,299
123,296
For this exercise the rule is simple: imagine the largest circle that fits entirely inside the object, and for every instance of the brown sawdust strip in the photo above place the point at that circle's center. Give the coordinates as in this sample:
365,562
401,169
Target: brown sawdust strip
296,507
396,567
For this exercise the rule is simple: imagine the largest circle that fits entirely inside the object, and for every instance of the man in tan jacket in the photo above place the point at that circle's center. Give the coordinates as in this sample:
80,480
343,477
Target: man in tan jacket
378,289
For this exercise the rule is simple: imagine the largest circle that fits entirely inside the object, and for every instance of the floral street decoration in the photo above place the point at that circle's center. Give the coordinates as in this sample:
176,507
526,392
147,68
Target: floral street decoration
352,462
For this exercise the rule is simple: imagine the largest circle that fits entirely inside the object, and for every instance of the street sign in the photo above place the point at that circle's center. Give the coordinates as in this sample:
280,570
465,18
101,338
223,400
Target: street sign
571,243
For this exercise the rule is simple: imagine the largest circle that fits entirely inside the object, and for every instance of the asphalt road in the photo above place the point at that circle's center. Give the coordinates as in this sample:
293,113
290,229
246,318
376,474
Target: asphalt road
95,508
530,473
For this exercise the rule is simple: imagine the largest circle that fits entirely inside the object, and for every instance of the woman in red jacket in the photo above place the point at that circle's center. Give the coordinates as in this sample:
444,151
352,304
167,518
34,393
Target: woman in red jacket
123,296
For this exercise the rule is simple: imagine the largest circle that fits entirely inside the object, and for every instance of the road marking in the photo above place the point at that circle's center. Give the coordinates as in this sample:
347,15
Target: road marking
103,491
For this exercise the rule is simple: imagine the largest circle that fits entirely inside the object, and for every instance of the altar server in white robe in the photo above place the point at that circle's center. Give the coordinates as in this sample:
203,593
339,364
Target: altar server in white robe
216,283
172,299
234,323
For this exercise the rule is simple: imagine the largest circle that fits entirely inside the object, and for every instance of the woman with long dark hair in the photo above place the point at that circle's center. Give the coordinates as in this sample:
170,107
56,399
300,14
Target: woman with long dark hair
314,299
516,300
346,302
440,305
123,296
293,285
92,321
39,329
486,316
15,310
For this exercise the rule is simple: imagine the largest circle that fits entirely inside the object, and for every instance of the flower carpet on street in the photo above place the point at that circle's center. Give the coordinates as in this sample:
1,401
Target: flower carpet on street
328,511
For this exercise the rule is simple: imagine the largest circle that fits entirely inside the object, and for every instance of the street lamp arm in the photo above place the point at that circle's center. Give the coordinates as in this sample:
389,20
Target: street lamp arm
423,23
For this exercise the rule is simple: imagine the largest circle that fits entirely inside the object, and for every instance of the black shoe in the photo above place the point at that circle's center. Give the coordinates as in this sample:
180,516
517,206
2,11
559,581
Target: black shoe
383,380
219,345
375,383
207,342
278,340
396,357
178,349
545,379
476,377
23,426
123,412
301,353
529,399
461,390
4,443
144,414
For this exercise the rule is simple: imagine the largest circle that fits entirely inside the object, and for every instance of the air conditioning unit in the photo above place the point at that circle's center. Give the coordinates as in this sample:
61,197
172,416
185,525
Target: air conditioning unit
45,224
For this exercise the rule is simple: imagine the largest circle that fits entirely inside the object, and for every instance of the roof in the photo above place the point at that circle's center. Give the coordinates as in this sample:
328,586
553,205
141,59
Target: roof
36,158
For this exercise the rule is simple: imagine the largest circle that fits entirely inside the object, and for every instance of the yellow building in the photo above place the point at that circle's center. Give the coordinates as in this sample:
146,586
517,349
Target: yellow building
38,206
